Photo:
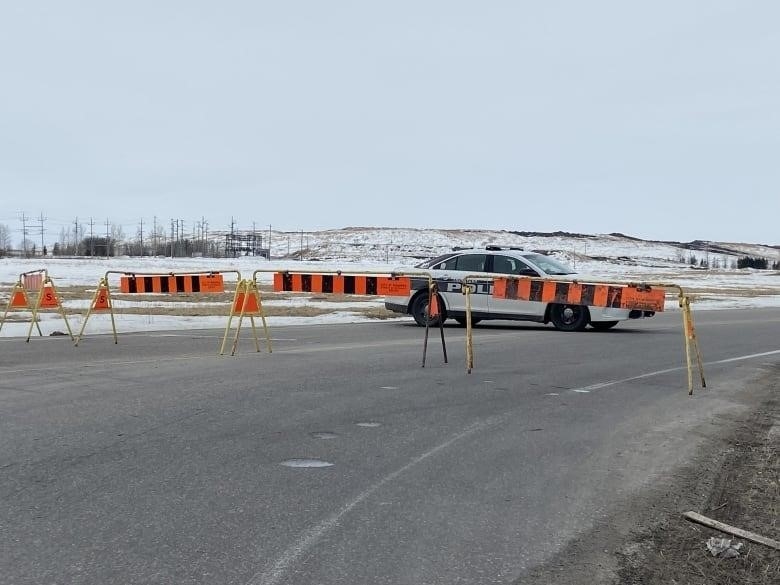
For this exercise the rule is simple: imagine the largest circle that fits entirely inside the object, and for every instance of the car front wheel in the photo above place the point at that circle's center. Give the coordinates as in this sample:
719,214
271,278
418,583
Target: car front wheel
569,317
420,311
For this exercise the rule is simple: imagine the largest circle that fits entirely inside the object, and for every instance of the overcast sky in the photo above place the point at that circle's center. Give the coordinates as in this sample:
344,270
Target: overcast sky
656,119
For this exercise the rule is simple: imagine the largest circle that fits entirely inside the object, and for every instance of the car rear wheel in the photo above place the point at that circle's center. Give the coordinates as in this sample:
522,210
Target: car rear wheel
603,325
420,311
569,317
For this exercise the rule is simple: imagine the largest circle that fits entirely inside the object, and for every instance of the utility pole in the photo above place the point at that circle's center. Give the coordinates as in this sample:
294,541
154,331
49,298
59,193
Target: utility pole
203,235
91,237
269,242
108,224
232,236
154,236
76,231
43,230
172,240
24,234
142,236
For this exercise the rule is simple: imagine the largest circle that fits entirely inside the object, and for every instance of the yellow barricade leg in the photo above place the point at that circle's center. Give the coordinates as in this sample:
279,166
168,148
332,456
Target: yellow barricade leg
469,340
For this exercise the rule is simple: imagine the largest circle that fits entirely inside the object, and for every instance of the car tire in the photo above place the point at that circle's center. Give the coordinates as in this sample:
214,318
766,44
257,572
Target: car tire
462,321
603,325
569,317
419,311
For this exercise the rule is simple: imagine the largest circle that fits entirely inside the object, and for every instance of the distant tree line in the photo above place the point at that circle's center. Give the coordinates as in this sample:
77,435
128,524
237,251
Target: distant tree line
5,240
757,263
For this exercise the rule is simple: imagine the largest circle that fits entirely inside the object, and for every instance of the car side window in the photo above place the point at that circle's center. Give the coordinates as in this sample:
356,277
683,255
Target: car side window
448,264
472,262
513,266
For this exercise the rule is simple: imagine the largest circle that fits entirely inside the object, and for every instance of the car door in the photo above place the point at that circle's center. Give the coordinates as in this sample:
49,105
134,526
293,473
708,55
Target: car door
514,266
449,275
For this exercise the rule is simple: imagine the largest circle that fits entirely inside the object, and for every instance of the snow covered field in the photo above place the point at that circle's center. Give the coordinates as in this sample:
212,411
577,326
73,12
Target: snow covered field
605,257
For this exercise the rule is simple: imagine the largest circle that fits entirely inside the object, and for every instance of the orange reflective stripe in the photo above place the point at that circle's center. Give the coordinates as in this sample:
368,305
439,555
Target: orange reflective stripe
548,291
600,296
575,293
278,282
360,285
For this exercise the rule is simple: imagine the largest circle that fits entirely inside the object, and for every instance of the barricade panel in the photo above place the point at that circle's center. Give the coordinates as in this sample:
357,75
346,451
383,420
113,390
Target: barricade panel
172,283
33,282
394,287
342,284
367,283
636,297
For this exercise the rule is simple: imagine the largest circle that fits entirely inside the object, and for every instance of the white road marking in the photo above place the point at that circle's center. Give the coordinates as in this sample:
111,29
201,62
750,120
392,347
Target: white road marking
677,369
311,537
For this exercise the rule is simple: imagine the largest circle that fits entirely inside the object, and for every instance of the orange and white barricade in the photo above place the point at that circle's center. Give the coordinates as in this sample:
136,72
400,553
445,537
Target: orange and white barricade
131,283
35,292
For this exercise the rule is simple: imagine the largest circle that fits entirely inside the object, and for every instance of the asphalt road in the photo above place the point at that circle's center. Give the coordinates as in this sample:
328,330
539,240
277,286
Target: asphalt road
158,461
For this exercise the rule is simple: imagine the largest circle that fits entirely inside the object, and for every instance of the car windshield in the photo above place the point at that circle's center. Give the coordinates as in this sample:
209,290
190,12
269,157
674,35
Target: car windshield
549,264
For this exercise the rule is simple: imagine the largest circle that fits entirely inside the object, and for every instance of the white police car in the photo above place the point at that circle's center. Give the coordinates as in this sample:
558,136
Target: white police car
449,270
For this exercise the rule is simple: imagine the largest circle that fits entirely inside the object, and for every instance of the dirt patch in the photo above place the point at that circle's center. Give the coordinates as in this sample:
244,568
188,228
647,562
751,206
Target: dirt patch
745,494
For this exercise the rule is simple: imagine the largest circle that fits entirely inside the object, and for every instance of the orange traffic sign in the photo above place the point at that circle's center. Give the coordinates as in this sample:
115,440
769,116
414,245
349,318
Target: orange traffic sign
48,299
19,300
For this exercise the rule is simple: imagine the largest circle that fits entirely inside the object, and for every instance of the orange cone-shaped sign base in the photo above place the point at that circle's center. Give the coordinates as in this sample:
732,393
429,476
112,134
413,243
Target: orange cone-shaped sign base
434,309
251,308
49,298
102,302
19,300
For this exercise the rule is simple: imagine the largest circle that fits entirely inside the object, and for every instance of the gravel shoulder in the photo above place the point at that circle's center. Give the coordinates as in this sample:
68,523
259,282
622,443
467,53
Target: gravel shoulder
735,479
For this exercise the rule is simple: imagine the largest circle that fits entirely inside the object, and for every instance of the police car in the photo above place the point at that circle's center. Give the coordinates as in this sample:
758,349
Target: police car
449,270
